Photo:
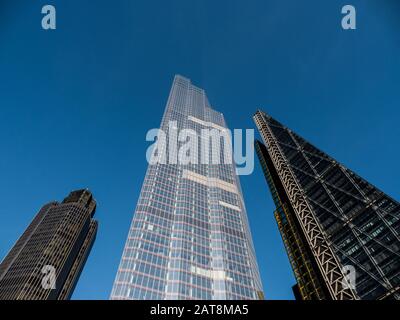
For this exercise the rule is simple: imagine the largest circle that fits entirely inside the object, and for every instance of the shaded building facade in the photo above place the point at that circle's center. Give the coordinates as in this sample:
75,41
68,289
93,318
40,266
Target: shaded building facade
189,237
340,232
46,261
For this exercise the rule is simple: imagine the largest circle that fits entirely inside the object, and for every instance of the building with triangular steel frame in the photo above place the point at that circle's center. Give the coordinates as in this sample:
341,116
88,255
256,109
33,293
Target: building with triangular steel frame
341,233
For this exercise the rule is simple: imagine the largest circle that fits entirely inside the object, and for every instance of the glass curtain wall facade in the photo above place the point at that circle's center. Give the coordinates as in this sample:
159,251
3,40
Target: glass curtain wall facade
189,238
341,233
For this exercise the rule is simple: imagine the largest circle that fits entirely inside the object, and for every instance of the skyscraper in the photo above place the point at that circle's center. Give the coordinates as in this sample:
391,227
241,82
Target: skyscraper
46,261
341,233
189,237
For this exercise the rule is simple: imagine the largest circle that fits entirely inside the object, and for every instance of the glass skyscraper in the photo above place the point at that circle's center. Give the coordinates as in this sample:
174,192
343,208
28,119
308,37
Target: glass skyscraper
341,233
189,237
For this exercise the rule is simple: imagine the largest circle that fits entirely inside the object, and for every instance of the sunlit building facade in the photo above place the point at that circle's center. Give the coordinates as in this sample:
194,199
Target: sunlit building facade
189,238
47,260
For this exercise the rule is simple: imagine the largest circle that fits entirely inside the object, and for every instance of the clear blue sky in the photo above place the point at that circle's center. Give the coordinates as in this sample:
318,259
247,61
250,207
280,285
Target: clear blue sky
76,103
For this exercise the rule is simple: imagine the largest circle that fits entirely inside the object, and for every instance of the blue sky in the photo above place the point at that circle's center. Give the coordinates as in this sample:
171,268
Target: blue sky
76,103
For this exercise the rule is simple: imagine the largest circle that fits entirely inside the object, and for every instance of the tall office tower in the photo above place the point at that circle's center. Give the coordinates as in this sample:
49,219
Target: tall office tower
47,260
341,233
189,237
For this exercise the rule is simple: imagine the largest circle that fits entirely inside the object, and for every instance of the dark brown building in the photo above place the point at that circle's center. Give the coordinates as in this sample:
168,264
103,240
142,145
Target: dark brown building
46,261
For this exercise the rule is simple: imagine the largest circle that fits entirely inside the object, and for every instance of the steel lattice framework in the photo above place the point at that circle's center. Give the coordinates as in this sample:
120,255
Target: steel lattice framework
344,220
326,258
